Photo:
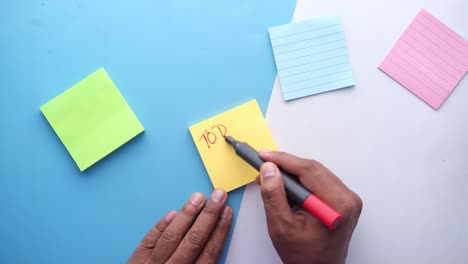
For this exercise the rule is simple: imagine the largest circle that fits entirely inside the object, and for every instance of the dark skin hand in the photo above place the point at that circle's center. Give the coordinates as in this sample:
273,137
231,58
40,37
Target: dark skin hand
196,234
298,237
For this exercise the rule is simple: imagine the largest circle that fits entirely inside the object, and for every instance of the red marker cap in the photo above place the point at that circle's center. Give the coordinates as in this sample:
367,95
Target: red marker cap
327,215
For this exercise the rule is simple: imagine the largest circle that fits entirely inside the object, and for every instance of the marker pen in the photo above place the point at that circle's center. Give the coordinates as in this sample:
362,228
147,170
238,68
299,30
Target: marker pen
295,190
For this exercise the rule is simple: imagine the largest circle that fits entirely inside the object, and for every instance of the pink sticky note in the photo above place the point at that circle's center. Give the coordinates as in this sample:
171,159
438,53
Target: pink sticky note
429,59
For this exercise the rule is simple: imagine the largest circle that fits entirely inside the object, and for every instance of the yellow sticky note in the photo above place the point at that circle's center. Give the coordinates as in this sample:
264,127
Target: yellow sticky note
245,123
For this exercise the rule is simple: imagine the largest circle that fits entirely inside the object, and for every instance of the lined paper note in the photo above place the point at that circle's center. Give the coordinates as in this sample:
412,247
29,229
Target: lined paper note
429,59
311,57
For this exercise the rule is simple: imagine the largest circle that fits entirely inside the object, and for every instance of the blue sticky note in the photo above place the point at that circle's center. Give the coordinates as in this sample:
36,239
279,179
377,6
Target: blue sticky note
311,57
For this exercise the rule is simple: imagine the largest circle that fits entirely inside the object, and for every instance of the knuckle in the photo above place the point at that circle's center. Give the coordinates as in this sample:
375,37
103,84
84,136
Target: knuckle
212,252
211,210
281,154
223,225
170,236
159,228
195,239
310,164
189,211
358,203
352,205
147,244
347,206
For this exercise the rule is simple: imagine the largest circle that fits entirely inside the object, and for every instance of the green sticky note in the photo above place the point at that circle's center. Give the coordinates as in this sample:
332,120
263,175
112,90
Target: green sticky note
92,119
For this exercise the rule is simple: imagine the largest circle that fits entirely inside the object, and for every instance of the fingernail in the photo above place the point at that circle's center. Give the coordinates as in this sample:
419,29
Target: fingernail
196,199
226,212
268,170
217,195
170,215
265,151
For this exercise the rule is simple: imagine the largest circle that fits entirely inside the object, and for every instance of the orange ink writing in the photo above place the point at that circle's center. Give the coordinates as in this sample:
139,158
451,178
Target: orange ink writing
210,137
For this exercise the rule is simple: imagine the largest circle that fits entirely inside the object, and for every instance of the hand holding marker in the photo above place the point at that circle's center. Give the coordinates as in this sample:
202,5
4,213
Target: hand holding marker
296,191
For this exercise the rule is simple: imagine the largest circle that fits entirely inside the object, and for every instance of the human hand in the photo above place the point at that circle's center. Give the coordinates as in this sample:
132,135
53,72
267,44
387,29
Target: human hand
299,237
196,234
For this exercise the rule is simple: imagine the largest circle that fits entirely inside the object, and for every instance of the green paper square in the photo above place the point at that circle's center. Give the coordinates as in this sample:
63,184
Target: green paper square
92,119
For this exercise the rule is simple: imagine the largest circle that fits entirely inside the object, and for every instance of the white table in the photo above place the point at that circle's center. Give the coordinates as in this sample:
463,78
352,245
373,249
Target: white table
408,162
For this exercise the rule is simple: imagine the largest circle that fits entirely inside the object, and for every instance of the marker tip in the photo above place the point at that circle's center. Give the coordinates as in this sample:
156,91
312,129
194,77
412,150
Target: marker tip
230,140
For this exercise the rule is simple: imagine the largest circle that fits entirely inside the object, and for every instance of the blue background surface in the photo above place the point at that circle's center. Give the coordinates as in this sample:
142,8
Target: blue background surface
175,62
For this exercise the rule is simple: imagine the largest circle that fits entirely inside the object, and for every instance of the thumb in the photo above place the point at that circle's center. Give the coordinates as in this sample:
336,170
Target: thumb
274,198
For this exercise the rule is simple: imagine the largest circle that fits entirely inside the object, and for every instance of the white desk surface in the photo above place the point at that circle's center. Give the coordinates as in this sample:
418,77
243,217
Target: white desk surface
408,162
